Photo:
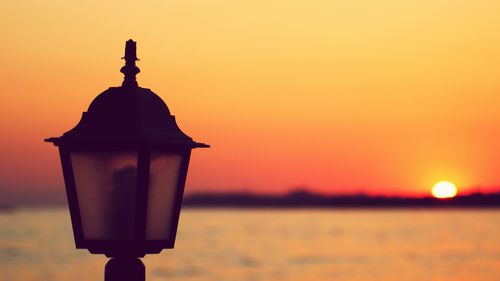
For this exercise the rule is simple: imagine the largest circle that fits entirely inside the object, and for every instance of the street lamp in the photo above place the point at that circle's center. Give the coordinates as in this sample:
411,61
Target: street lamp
125,166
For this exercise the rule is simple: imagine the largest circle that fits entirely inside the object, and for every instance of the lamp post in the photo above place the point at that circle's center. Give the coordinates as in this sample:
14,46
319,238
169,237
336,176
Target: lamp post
125,166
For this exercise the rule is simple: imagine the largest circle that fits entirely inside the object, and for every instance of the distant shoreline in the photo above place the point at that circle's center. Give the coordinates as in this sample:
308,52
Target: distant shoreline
305,199
302,199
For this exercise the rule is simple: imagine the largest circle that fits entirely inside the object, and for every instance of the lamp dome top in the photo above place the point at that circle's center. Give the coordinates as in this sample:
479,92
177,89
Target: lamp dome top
127,114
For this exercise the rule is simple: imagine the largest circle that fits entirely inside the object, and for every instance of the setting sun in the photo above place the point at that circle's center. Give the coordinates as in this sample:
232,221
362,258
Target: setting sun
444,189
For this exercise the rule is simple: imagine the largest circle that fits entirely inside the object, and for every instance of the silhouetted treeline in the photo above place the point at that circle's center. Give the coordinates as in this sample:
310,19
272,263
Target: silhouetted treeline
305,199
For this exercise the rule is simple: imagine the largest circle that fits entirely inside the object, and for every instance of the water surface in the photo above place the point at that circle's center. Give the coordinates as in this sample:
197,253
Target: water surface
274,245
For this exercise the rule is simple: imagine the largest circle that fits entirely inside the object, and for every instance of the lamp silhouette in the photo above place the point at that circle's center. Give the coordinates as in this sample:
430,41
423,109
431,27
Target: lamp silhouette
124,167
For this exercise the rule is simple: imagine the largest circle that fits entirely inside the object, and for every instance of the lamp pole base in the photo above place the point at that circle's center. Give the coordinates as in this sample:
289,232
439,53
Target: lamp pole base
125,269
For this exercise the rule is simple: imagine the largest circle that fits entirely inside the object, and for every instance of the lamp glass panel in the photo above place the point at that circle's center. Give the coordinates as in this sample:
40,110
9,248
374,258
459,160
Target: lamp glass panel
164,173
106,185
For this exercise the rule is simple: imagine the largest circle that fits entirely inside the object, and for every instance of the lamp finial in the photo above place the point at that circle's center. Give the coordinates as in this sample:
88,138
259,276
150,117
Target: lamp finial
130,69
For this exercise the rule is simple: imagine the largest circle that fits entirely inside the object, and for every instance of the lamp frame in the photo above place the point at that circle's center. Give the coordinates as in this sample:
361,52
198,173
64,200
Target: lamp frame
127,118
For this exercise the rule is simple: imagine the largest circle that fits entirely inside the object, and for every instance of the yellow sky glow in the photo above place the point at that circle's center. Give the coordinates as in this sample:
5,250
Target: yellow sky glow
342,96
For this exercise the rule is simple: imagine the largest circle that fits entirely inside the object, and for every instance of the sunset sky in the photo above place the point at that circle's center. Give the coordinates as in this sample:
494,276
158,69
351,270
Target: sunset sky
384,97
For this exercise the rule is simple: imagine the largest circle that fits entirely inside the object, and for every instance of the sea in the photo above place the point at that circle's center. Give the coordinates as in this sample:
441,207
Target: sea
274,245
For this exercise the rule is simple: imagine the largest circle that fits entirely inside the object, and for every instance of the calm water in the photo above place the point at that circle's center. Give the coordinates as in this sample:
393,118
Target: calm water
275,245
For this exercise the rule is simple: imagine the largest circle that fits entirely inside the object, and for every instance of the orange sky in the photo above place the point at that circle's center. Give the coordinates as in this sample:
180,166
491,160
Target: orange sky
341,96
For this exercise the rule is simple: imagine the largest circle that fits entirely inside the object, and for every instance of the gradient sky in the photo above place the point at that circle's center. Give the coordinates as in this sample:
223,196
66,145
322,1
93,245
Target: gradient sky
384,97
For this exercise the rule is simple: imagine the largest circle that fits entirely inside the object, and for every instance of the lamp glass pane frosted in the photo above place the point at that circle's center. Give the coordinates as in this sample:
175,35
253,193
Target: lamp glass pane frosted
106,185
164,173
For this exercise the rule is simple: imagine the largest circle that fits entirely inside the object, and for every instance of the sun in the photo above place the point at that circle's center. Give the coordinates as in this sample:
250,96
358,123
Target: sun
444,189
